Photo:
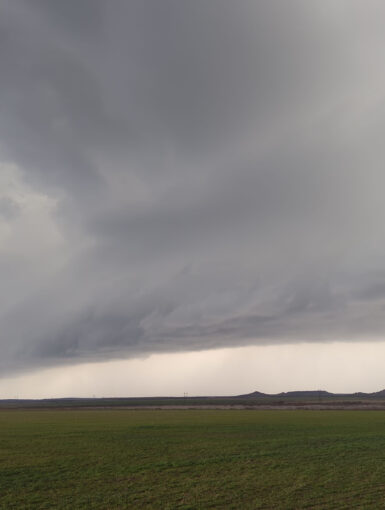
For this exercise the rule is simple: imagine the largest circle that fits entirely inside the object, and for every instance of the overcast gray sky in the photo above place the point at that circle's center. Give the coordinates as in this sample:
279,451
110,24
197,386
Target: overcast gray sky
182,176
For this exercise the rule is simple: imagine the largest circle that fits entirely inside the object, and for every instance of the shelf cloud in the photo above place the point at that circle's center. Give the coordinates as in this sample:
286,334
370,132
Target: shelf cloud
180,176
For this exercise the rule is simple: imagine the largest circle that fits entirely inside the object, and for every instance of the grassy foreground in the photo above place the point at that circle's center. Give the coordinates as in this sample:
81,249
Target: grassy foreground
192,459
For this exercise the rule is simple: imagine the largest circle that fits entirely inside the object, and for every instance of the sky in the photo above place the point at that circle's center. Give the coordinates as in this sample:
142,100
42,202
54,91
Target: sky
191,196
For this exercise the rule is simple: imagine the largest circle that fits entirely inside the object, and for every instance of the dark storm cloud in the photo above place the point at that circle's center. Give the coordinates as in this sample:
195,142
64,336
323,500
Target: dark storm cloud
189,175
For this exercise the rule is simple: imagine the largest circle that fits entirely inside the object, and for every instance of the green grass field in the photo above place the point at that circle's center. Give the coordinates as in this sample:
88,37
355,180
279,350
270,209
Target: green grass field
192,459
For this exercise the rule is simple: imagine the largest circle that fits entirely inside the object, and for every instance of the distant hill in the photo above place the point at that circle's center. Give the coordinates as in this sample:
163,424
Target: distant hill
306,394
255,394
289,394
314,394
254,399
378,394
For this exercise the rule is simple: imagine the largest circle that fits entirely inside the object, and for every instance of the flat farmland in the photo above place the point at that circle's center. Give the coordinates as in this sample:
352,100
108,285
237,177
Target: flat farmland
116,459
